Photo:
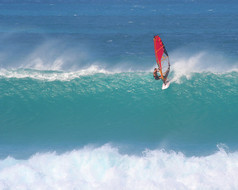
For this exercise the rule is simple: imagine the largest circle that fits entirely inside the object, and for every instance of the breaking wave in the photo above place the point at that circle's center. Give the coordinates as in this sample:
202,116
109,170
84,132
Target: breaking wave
181,66
106,168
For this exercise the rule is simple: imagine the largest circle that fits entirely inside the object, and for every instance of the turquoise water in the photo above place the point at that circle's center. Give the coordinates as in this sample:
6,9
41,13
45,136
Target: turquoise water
120,108
80,109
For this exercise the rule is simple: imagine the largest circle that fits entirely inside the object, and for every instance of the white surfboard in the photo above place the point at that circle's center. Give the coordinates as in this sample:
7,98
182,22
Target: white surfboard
165,86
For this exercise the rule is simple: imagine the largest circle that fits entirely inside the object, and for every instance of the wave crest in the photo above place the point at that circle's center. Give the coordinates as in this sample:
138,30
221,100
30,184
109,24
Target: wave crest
51,75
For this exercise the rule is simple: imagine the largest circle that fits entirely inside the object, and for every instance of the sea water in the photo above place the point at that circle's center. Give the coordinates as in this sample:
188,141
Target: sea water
80,109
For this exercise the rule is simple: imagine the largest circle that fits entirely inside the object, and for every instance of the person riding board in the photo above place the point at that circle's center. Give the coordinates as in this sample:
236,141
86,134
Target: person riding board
155,74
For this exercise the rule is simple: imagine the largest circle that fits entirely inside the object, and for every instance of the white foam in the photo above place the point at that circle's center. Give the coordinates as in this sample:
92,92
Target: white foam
105,168
51,75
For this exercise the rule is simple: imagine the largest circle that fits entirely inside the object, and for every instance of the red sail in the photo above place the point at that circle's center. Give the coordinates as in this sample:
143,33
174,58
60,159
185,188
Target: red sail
159,50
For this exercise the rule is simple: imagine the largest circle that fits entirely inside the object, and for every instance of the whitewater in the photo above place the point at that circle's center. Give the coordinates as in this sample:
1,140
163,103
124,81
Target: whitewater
105,168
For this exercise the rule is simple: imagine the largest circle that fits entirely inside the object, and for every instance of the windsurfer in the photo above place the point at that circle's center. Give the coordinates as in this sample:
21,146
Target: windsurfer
155,73
162,60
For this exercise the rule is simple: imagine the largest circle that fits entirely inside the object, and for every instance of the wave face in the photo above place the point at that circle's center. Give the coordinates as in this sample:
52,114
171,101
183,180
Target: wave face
106,168
127,107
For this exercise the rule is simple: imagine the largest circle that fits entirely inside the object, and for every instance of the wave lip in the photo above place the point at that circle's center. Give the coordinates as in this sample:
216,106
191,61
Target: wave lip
51,75
105,168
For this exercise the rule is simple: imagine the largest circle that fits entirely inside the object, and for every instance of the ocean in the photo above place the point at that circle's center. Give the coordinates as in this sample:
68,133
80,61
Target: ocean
80,109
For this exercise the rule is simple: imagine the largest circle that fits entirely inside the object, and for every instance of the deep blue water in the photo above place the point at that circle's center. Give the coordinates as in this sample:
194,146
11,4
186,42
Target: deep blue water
76,78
